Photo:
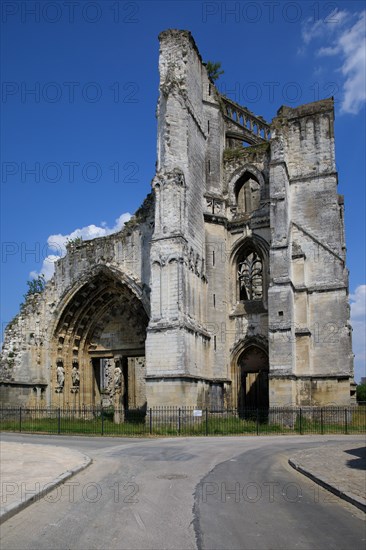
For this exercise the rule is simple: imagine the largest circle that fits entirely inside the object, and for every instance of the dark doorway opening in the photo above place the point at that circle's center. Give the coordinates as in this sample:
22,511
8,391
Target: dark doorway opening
102,372
253,384
125,383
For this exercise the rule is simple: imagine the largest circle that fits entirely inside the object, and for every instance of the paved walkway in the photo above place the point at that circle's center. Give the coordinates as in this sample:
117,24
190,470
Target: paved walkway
30,471
339,467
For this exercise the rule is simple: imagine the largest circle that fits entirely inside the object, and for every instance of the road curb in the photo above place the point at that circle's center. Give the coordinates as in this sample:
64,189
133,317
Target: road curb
348,497
13,509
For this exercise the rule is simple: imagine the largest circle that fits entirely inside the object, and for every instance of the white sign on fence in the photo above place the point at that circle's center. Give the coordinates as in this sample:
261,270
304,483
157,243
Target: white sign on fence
197,412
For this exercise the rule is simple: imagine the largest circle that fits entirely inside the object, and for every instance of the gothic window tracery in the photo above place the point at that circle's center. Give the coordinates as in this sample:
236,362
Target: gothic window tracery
250,277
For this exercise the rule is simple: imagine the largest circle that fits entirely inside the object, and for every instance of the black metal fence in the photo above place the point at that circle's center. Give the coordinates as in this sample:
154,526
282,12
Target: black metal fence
187,421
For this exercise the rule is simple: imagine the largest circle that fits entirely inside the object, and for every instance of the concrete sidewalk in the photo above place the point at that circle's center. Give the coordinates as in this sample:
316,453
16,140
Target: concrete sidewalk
29,472
338,467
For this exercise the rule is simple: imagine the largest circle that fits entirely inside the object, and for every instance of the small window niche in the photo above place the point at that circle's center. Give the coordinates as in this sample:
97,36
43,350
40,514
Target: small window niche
248,194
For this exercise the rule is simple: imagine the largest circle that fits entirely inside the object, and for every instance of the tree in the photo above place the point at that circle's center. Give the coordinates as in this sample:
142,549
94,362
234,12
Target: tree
35,286
213,70
361,393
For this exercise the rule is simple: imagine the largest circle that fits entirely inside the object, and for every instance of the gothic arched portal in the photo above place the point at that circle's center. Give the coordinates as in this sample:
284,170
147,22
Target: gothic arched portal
99,342
253,367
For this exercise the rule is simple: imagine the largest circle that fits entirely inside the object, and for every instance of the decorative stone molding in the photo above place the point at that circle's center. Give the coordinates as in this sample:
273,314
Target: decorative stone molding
174,177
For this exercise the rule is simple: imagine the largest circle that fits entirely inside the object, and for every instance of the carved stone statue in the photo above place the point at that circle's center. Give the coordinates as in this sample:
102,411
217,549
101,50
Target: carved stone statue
60,375
75,375
117,376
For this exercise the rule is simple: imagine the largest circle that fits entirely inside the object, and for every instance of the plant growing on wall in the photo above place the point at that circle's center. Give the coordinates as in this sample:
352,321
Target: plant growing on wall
74,242
35,286
213,70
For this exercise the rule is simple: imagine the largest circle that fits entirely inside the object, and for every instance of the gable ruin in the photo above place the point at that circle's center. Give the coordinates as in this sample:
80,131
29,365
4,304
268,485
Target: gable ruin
227,288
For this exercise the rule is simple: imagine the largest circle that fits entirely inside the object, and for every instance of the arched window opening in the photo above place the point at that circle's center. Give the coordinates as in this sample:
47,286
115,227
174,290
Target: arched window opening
247,194
250,277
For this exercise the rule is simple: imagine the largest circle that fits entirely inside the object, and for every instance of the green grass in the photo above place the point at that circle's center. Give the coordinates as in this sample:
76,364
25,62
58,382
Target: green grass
75,426
353,423
215,426
185,425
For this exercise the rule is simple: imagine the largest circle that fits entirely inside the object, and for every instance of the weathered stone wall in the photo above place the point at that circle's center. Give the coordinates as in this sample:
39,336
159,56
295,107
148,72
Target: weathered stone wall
309,277
30,352
176,339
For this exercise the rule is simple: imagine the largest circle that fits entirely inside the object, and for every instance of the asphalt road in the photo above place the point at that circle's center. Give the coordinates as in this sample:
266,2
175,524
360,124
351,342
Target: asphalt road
186,493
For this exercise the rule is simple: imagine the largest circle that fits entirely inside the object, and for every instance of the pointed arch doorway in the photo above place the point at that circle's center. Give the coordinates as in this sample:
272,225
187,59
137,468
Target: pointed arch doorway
99,343
253,368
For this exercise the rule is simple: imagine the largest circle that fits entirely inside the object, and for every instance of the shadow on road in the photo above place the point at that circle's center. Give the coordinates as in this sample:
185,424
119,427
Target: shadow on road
360,462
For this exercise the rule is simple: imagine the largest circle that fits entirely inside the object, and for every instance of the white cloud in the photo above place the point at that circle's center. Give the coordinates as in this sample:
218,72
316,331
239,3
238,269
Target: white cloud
48,267
343,34
309,31
353,43
358,320
329,50
358,302
57,243
317,28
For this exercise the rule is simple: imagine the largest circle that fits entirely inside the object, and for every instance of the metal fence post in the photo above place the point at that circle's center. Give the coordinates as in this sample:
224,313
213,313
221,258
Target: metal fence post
206,421
345,422
20,419
59,421
150,421
179,420
257,421
102,421
321,421
300,421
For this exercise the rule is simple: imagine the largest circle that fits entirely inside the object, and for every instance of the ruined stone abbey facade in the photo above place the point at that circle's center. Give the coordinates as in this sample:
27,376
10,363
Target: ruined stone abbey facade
227,288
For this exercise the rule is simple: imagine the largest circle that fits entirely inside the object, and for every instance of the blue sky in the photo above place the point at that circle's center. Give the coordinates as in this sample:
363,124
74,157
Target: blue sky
79,93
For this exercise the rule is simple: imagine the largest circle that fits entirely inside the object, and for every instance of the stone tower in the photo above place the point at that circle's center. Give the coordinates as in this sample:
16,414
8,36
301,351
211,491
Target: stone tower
227,288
